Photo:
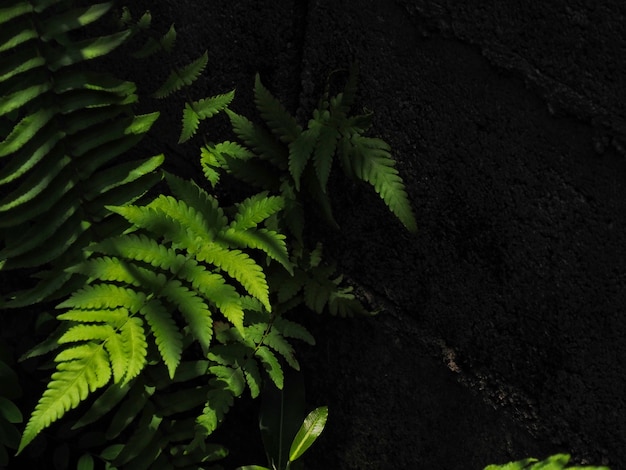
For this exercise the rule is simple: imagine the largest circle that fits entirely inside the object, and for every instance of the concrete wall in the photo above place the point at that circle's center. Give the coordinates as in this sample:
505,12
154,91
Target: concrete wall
507,119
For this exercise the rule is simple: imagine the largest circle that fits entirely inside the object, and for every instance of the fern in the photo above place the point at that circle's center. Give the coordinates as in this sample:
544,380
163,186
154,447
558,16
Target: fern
61,154
307,156
554,462
185,76
169,269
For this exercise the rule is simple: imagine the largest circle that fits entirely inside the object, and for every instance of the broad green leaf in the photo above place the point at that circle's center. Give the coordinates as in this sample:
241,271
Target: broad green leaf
311,429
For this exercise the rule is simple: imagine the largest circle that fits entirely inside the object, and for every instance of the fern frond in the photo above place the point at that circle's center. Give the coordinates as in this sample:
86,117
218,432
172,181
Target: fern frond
219,401
135,401
301,149
121,175
116,316
197,111
253,377
87,333
190,123
156,222
372,162
187,216
277,342
290,329
88,49
215,289
255,210
213,162
239,266
73,19
153,45
272,243
166,334
194,309
134,346
233,377
259,140
271,365
324,153
183,77
280,122
102,296
133,247
200,200
80,371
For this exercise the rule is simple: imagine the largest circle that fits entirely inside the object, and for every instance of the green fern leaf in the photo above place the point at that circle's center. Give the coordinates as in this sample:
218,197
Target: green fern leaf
219,401
190,123
134,346
72,19
27,158
200,200
198,110
136,400
195,311
117,356
180,401
277,342
317,294
280,122
271,365
185,215
111,397
255,210
259,140
24,131
253,377
105,296
87,333
120,175
152,45
167,336
233,377
169,39
115,317
133,247
88,49
22,96
215,289
271,242
372,162
291,329
209,107
156,222
239,266
80,371
324,153
16,10
301,149
105,269
183,77
287,285
146,436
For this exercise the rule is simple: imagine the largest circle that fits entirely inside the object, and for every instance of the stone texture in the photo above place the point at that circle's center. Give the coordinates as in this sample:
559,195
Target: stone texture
507,120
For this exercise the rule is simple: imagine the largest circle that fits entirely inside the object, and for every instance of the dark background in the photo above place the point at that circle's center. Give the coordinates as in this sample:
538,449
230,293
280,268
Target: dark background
503,329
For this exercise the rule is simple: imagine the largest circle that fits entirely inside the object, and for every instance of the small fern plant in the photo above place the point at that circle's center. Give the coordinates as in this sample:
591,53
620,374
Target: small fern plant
282,156
182,263
554,462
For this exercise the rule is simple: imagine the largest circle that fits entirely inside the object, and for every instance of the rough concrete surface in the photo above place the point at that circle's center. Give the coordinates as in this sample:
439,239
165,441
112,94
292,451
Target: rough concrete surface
503,333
